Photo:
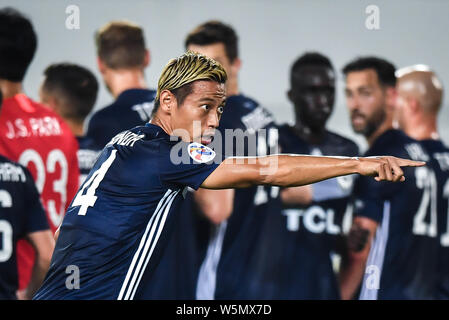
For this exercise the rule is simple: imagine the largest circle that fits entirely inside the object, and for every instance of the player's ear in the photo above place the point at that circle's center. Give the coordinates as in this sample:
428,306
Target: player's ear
413,104
101,66
290,95
52,102
147,58
391,96
167,101
236,65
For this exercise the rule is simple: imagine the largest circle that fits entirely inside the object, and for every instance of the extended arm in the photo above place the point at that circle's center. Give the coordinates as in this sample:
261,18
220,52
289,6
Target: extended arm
216,205
296,170
43,244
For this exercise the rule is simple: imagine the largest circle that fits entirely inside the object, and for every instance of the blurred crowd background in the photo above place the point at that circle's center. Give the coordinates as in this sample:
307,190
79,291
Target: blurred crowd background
272,34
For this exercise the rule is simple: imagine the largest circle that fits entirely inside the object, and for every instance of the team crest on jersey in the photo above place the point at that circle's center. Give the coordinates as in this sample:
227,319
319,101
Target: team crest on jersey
200,153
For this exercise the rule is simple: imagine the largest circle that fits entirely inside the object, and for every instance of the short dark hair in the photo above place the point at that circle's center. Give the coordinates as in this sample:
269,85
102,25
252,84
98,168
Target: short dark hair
121,45
385,70
309,59
18,43
215,32
76,86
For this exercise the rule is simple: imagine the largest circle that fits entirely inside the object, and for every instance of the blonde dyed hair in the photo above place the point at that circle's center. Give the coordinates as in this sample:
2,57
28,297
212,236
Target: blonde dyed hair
187,68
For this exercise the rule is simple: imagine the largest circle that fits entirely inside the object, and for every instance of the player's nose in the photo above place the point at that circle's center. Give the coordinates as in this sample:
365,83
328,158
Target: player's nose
213,120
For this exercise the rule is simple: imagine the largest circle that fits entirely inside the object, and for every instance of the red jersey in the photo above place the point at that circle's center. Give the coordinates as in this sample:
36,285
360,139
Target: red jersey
39,139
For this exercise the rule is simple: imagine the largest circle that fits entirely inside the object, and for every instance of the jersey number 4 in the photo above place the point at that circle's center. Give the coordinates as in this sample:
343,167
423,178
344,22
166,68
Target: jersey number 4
88,199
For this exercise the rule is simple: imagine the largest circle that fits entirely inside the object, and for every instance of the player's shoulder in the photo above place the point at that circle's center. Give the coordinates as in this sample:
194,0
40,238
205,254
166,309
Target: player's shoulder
28,108
42,121
11,171
88,143
286,133
396,143
104,114
131,97
339,140
128,98
284,128
439,152
249,112
146,134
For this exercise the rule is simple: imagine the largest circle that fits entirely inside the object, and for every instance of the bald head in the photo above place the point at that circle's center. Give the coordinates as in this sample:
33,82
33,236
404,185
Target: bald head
421,84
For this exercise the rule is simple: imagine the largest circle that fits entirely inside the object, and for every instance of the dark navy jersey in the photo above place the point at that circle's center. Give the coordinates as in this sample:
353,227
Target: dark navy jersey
21,213
228,271
307,235
439,201
175,276
87,154
403,256
117,226
132,108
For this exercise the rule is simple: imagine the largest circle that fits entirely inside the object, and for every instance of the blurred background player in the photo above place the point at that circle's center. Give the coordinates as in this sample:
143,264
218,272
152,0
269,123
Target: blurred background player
21,215
71,90
122,59
397,262
420,94
226,272
32,134
311,221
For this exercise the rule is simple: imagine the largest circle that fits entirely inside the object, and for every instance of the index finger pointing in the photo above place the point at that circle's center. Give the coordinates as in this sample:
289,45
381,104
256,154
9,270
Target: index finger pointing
410,163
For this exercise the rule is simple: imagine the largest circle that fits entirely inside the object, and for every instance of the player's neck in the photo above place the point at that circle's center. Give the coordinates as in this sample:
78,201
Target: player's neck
76,128
121,80
423,129
385,126
232,87
309,134
9,89
158,121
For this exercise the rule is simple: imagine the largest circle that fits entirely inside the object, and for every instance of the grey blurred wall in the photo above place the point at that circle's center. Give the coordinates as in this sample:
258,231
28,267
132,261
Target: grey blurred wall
272,35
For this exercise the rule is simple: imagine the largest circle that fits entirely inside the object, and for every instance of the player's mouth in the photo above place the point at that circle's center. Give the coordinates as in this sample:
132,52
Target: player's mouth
358,119
207,138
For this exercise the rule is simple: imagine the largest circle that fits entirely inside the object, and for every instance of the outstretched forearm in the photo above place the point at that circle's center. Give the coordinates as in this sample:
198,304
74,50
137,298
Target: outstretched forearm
296,170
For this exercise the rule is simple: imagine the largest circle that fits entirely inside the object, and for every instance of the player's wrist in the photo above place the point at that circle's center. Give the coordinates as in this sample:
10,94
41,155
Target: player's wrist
354,165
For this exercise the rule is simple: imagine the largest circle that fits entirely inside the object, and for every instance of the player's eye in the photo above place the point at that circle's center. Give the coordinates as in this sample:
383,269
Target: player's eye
220,110
365,93
205,107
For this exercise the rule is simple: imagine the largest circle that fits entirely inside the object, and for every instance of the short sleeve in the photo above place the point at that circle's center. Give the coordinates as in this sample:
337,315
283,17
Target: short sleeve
368,198
34,216
185,164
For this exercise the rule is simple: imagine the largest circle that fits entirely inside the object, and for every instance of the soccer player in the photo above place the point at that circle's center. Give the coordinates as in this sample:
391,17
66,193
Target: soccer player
235,215
71,90
311,224
118,223
122,59
419,99
399,259
21,215
32,134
